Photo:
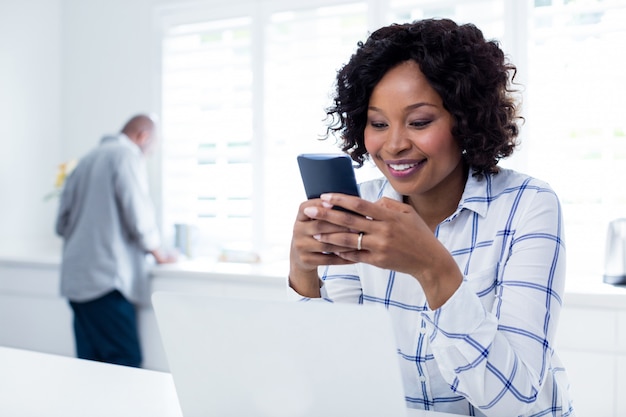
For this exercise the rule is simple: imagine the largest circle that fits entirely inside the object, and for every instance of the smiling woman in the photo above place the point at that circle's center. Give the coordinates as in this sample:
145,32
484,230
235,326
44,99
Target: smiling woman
453,246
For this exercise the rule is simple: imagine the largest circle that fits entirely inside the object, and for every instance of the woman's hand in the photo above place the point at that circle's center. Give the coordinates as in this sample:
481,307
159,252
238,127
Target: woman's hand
307,253
394,237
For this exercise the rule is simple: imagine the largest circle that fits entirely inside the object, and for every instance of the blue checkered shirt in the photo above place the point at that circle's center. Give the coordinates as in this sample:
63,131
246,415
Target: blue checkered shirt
489,350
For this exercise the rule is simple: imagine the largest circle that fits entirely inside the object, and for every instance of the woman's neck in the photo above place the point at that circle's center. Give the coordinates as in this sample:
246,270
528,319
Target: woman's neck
438,204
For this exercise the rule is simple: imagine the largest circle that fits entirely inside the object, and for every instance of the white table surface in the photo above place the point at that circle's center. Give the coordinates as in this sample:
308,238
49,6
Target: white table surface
39,384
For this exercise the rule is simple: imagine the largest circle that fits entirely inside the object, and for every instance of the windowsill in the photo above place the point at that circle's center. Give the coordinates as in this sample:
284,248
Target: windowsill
201,269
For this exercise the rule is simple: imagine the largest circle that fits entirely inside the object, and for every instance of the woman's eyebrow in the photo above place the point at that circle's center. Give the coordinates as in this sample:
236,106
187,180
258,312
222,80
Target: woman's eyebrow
420,104
409,107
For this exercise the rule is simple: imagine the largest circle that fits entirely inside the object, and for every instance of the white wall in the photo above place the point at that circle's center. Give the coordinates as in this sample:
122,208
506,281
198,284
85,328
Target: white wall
108,69
30,112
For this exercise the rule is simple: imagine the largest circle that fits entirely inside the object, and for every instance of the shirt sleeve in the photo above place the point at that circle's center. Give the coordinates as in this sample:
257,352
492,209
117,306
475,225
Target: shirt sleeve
132,194
499,359
339,284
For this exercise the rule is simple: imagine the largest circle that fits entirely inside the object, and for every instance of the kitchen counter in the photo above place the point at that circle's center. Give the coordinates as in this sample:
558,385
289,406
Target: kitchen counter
578,293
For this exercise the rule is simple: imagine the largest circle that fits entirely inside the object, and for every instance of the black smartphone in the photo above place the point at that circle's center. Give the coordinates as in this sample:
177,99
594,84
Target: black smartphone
327,173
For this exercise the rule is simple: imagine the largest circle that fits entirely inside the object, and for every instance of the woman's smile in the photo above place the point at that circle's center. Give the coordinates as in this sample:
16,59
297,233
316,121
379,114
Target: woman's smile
404,168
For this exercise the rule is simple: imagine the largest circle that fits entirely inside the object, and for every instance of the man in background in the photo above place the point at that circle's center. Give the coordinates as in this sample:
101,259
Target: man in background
107,222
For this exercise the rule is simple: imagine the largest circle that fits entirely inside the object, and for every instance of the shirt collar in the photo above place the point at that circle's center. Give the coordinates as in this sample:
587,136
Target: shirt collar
123,139
475,197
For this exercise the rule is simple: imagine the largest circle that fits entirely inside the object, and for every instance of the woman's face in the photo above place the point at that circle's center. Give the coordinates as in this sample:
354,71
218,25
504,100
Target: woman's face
409,134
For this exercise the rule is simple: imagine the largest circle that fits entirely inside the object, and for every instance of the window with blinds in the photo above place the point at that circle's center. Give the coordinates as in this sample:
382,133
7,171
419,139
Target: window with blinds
243,95
239,104
304,49
577,118
207,128
486,14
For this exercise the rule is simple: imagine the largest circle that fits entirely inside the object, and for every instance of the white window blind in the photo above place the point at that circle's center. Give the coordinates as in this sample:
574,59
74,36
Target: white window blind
304,49
577,119
243,95
485,14
207,129
239,104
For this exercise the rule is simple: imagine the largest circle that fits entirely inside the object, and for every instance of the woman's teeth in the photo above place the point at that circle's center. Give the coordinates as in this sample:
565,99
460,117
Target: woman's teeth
401,167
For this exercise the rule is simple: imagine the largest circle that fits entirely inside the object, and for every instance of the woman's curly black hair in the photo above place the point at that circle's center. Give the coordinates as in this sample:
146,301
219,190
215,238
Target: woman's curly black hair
469,72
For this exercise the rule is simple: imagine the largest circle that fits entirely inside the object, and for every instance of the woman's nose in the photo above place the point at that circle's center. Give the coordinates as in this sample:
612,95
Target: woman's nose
397,140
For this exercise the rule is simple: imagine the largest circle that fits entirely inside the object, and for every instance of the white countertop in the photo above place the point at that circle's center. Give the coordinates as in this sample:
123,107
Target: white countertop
37,256
578,292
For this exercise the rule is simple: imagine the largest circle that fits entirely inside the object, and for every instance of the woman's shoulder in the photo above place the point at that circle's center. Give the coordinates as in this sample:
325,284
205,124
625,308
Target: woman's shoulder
508,178
509,185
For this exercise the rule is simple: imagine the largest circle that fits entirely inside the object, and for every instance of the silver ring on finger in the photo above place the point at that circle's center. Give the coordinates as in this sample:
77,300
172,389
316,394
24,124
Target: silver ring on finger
359,241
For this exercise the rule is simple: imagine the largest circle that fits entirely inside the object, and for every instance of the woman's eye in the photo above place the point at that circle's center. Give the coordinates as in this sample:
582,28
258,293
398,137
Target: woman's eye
378,125
420,123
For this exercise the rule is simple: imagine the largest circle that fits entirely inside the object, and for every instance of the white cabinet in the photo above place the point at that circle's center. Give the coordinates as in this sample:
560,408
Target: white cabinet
591,341
34,316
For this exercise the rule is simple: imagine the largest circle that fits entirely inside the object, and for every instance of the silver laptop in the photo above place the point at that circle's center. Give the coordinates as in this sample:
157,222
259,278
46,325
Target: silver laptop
238,357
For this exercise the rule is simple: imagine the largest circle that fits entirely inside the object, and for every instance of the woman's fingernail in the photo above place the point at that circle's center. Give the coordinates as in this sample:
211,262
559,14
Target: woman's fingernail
310,211
325,197
327,205
317,237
